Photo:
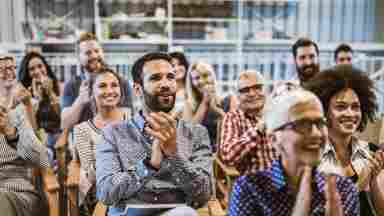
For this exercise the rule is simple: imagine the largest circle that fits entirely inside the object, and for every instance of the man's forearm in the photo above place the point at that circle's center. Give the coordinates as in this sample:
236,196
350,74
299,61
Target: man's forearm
377,191
71,115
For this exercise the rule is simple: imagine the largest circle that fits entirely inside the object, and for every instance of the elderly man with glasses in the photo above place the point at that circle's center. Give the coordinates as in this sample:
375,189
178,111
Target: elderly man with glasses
241,145
296,126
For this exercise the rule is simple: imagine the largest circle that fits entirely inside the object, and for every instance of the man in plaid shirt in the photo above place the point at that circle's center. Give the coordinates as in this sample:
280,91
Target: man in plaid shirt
243,143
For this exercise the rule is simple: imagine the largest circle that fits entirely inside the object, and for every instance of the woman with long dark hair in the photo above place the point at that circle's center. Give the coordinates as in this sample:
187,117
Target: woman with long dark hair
36,75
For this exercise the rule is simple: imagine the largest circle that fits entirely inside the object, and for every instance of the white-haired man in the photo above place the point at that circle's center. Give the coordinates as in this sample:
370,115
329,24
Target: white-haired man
296,126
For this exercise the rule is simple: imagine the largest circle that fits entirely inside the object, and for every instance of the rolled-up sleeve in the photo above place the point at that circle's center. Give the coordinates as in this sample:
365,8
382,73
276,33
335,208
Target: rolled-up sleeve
114,183
193,175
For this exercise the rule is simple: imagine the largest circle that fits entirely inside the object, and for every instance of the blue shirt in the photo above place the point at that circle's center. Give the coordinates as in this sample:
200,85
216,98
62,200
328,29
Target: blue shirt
267,193
122,173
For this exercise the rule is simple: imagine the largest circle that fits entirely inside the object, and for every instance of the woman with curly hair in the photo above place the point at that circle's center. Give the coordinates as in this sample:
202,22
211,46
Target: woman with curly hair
349,100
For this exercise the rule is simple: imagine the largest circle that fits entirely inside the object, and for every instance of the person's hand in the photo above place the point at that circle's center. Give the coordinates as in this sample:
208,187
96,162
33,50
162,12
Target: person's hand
157,155
333,205
36,88
4,123
83,97
370,172
73,174
162,126
304,195
22,95
5,127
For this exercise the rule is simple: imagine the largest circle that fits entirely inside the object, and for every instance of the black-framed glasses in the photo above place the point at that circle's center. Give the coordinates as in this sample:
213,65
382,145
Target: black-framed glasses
246,90
304,126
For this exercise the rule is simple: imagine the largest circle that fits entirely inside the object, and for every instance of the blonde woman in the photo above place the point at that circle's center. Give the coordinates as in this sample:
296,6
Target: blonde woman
204,105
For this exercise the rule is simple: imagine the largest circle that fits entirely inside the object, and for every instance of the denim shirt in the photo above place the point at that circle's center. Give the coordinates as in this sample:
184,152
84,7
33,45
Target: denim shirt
121,172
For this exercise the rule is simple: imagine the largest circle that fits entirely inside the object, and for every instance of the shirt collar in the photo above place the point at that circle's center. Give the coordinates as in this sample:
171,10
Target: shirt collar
279,180
357,146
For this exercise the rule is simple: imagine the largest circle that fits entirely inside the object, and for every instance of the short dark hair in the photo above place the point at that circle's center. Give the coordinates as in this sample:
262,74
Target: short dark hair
303,42
333,80
182,59
342,48
137,68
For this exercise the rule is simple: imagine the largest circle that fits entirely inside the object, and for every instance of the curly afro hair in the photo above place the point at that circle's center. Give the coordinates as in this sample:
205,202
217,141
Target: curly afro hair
333,80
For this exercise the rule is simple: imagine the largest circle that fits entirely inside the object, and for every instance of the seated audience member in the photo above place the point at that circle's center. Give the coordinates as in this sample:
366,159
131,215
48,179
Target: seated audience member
75,101
20,149
349,99
204,105
154,158
37,76
181,65
105,91
241,145
293,186
343,54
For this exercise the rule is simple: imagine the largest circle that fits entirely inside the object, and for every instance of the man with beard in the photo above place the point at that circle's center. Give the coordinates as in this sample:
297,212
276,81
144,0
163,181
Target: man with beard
306,55
343,54
241,144
76,102
154,164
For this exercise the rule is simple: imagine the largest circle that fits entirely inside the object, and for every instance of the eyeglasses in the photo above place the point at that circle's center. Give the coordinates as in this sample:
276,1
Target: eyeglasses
246,90
9,68
304,126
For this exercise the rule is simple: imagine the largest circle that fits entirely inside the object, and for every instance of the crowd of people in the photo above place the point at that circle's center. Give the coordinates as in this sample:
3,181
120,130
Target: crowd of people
297,149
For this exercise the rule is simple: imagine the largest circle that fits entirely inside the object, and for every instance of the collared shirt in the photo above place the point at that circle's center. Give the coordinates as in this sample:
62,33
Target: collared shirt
267,193
359,157
122,173
244,144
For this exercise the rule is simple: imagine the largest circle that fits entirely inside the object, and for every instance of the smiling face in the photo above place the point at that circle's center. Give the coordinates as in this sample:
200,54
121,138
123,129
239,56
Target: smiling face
107,91
91,55
159,85
307,62
344,113
36,69
179,68
251,94
202,77
301,139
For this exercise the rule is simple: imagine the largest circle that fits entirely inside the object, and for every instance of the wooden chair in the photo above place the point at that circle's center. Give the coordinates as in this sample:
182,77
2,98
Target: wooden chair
225,175
50,188
69,180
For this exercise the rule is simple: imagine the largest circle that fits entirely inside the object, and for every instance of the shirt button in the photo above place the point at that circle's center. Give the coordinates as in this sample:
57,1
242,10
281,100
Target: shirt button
177,180
155,198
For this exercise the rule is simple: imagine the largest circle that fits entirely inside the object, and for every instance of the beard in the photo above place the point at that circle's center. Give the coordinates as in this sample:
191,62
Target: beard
153,102
307,72
90,62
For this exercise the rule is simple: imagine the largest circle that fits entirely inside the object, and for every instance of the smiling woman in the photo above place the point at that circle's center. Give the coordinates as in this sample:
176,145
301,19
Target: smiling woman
349,99
105,92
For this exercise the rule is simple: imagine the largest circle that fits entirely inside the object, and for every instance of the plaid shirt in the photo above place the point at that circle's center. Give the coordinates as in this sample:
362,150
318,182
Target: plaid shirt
267,193
244,144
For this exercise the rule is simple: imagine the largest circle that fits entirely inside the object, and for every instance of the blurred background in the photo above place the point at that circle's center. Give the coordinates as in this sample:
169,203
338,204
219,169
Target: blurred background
230,34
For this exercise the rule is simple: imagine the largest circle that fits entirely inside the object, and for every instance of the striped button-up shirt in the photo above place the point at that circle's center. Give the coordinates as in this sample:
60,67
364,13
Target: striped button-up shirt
244,144
122,173
359,157
16,159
